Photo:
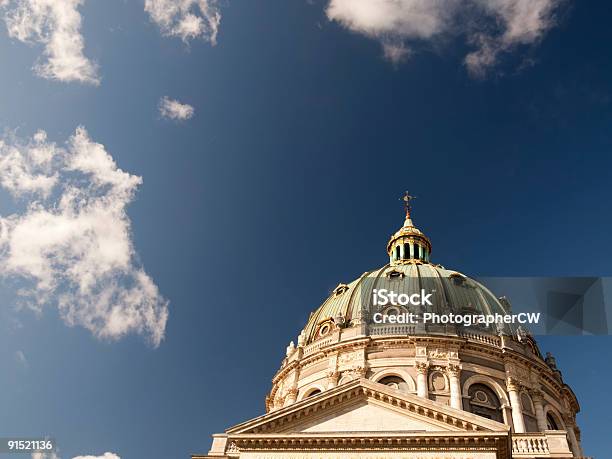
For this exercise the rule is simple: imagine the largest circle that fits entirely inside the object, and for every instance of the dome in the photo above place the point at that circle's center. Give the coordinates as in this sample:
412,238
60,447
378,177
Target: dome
408,272
491,371
353,303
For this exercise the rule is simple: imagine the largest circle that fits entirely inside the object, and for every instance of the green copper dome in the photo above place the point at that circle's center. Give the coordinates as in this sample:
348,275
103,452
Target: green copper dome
352,304
409,272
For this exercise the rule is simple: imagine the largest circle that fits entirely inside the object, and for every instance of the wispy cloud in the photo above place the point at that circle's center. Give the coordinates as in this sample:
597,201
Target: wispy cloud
104,456
72,241
55,456
45,456
21,359
492,27
175,110
186,19
55,24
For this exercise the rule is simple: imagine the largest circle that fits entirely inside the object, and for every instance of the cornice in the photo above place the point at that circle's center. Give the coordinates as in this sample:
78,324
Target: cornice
498,442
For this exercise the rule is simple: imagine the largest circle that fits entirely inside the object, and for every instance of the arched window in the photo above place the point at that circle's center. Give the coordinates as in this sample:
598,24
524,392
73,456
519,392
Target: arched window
406,251
484,402
529,417
551,422
395,382
312,392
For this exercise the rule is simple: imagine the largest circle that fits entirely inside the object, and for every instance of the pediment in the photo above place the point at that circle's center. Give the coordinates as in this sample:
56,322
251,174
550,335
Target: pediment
364,406
364,416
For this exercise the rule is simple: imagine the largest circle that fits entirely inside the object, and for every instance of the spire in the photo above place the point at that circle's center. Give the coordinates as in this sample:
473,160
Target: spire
407,207
408,244
407,198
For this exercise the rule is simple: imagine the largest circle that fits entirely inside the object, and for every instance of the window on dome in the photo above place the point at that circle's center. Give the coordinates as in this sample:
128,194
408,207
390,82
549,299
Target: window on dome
395,382
484,402
340,289
417,251
397,252
406,251
311,393
457,278
324,330
551,423
392,311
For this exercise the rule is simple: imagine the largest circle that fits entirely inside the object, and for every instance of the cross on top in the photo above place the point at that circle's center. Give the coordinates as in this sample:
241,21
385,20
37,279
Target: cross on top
407,198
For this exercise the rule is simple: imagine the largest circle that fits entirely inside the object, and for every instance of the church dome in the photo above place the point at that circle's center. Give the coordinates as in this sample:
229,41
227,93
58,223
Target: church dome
408,272
451,292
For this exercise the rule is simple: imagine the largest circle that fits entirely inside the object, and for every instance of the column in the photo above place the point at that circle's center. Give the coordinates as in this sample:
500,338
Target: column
538,403
421,368
569,426
455,387
402,255
515,402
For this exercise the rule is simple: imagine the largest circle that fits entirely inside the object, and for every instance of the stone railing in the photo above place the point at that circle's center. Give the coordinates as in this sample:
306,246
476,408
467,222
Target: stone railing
551,443
489,339
393,329
314,347
530,445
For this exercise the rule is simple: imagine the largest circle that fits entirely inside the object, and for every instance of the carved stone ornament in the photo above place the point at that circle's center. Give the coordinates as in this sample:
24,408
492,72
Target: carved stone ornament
346,358
513,384
355,373
233,448
333,377
438,354
518,372
421,367
453,370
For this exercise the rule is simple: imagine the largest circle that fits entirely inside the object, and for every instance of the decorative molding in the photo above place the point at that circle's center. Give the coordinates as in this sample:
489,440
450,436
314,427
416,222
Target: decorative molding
513,384
453,370
299,446
421,367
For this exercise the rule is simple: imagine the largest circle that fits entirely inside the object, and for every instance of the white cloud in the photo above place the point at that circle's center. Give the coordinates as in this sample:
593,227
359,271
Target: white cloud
173,109
104,456
56,24
187,19
21,359
55,456
522,22
45,456
491,26
72,241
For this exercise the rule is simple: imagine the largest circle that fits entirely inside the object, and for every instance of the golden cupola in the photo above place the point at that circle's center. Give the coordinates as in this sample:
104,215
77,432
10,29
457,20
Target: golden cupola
408,244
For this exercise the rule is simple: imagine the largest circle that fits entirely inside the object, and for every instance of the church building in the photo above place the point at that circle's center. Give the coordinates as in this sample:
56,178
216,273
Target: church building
353,387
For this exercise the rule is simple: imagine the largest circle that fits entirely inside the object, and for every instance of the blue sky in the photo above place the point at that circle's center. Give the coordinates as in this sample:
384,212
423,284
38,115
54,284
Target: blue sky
283,183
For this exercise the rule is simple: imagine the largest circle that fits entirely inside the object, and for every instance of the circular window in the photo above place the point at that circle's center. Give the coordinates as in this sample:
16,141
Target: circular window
324,330
481,396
